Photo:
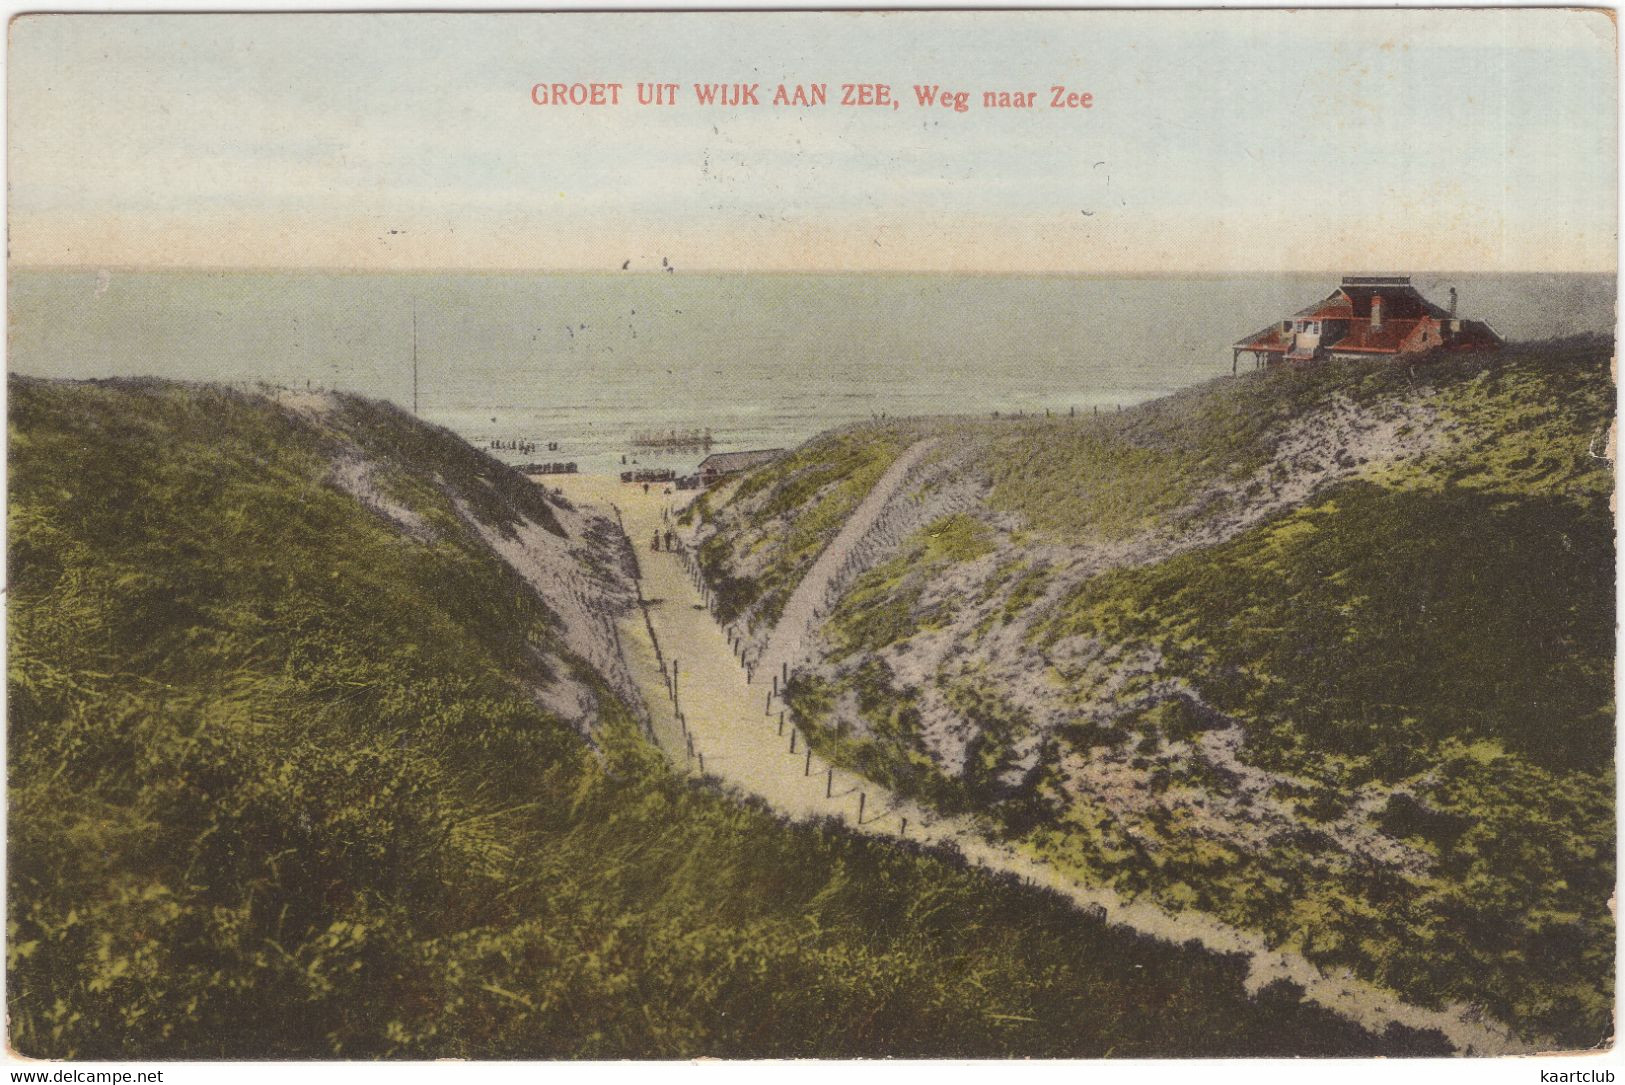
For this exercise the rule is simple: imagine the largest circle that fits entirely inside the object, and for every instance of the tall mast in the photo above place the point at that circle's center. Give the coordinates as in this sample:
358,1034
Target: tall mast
414,356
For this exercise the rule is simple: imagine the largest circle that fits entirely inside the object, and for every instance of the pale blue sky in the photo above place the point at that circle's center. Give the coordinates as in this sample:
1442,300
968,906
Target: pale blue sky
1224,140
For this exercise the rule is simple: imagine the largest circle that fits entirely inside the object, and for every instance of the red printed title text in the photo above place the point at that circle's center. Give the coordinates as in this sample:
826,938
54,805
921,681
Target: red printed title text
809,96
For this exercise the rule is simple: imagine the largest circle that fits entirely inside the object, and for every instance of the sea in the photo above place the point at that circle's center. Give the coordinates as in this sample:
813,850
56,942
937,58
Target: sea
574,367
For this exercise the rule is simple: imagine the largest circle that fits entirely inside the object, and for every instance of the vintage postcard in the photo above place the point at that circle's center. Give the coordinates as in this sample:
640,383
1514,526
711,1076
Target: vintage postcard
937,534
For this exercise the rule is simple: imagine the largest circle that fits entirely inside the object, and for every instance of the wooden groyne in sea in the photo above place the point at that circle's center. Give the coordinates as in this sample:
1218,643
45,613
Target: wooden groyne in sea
676,440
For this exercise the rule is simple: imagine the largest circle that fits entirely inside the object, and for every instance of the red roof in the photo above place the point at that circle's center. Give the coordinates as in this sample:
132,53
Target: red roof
1388,339
1270,339
1410,323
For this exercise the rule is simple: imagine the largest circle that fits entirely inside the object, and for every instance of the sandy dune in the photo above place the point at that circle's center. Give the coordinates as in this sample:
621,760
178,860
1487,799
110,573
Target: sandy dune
733,724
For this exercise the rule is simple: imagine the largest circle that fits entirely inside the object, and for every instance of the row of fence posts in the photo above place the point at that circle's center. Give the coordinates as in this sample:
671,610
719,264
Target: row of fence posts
740,652
692,564
737,645
667,672
643,606
673,676
781,683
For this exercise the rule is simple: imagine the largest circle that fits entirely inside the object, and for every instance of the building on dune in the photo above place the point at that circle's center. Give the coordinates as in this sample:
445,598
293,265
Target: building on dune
720,465
1369,316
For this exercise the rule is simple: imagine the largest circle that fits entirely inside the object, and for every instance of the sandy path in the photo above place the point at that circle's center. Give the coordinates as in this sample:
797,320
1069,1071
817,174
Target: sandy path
735,730
802,610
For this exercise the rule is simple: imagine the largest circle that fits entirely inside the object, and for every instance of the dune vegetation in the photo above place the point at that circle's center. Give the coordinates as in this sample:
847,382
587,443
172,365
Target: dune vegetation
286,780
772,526
1324,651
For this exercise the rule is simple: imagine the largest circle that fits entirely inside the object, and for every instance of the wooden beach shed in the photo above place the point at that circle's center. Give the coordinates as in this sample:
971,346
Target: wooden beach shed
719,465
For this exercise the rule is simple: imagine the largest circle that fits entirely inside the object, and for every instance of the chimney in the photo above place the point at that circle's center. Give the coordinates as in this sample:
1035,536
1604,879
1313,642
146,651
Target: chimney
1376,312
1452,303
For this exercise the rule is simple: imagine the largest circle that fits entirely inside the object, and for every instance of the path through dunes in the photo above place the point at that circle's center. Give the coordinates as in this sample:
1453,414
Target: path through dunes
733,723
815,594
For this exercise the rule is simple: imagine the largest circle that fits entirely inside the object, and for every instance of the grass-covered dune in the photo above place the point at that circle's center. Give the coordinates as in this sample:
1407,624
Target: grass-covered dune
292,773
761,538
1325,651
